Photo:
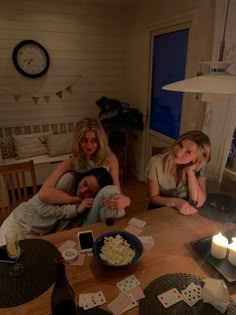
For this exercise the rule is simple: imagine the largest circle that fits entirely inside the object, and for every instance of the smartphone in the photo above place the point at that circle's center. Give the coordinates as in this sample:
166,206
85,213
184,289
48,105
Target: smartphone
4,257
86,240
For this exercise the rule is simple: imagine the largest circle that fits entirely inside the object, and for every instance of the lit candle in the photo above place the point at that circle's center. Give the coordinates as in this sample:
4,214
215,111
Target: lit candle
232,252
219,245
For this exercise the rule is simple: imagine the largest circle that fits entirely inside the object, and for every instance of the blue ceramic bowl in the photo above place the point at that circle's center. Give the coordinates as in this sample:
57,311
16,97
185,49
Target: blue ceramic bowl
134,242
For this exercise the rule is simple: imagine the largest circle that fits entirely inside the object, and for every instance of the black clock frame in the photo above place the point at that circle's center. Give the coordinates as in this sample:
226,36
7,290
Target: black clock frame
15,62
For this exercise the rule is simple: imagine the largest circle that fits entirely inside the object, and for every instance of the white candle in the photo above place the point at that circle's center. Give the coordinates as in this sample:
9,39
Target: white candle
219,245
232,252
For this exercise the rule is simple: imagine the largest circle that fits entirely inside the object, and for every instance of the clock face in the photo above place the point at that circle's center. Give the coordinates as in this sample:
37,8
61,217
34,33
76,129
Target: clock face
31,59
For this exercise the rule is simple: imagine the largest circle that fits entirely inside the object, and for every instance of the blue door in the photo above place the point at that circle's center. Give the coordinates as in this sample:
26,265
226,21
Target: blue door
169,61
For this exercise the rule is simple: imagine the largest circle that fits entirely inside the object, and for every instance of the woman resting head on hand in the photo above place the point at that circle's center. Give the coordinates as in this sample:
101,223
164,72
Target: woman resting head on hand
176,178
90,150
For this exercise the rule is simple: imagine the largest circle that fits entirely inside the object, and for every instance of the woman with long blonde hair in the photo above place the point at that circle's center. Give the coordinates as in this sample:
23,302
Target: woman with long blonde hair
176,178
90,150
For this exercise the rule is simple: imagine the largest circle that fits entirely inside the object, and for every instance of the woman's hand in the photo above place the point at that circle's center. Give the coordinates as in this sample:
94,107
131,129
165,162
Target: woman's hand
117,202
86,203
185,208
75,199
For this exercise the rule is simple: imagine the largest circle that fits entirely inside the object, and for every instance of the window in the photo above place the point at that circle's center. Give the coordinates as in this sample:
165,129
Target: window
169,61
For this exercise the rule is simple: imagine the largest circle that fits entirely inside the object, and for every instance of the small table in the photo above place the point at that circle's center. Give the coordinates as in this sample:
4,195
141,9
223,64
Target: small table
172,253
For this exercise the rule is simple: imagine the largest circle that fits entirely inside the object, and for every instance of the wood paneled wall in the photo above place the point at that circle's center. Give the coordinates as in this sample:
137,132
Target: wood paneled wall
87,48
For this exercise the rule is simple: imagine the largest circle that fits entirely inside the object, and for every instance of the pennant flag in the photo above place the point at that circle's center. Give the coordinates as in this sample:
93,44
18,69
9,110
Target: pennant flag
69,89
59,94
16,97
47,99
35,99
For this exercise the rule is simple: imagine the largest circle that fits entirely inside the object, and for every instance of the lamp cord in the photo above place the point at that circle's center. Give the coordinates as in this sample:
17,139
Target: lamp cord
222,44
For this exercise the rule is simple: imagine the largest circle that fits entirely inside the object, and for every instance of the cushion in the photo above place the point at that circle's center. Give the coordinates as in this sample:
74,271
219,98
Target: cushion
7,147
60,143
31,145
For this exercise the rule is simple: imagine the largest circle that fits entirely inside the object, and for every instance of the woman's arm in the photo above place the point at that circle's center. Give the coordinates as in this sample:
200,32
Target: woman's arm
154,193
52,195
197,188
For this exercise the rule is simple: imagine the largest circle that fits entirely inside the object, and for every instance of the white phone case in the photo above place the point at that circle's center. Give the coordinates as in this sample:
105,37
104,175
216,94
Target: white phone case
85,240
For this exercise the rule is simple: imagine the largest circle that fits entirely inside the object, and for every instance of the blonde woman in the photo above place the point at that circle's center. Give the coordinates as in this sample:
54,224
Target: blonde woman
90,150
176,177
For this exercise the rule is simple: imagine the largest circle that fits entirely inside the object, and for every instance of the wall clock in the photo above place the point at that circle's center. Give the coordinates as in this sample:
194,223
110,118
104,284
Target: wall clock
31,59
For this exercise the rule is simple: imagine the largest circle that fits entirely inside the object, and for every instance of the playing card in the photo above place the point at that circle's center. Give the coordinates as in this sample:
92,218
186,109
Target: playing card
137,293
96,299
119,304
170,297
138,223
147,241
68,244
133,229
192,294
128,283
79,260
131,305
83,297
90,300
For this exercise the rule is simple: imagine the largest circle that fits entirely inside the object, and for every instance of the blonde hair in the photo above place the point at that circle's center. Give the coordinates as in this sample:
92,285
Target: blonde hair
203,153
102,155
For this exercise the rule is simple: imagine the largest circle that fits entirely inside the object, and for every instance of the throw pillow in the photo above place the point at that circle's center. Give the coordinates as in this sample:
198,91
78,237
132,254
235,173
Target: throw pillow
31,145
7,147
60,144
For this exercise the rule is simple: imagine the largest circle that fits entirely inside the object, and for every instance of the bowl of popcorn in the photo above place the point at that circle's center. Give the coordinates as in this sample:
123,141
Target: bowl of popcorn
117,249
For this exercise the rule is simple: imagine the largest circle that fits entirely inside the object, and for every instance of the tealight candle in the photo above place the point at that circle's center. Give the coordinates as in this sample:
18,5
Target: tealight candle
219,246
232,252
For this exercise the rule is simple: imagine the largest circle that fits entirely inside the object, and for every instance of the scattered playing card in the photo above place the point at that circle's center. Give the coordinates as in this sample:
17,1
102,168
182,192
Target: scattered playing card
131,305
192,294
128,283
137,293
138,223
79,260
133,229
170,297
147,241
95,300
119,304
68,244
90,300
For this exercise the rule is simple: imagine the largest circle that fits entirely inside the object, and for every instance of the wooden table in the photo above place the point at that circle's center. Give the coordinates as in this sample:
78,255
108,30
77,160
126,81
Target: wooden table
172,253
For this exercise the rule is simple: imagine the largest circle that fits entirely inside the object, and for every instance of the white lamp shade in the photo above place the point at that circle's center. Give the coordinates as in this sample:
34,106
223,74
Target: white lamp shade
218,81
210,83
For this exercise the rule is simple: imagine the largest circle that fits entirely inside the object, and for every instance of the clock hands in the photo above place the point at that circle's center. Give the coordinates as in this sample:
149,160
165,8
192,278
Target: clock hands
28,61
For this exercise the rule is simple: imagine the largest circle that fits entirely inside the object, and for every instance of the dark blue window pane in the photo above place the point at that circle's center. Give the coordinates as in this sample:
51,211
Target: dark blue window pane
169,60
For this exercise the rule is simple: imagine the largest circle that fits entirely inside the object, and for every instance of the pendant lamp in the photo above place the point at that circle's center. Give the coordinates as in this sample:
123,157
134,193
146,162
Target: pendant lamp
219,80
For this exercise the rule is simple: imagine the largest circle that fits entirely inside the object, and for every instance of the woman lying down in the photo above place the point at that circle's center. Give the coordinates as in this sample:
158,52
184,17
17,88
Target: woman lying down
34,217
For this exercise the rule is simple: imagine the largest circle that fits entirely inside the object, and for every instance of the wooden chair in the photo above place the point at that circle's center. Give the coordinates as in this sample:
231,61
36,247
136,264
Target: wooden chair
15,182
158,150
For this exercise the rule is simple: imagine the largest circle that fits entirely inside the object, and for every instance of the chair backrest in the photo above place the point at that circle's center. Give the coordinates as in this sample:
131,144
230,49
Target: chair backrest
158,150
17,184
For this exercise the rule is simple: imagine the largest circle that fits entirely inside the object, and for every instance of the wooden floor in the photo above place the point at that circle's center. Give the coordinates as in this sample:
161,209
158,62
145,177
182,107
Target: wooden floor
136,190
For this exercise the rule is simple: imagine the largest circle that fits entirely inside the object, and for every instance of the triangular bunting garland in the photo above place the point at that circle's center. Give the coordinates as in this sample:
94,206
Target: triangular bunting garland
69,89
16,97
35,99
47,99
59,94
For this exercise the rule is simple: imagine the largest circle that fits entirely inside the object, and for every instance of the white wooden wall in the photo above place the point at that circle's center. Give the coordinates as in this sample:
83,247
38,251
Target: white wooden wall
86,44
101,48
